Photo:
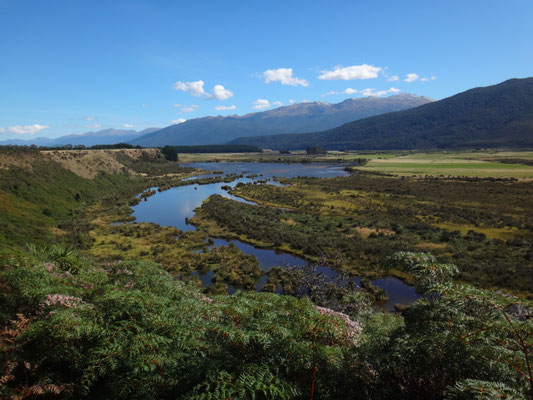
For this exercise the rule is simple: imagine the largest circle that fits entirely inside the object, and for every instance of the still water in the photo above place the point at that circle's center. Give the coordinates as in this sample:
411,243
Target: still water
172,207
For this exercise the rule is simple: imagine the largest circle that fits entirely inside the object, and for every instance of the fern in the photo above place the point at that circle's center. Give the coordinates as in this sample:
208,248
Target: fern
255,383
471,389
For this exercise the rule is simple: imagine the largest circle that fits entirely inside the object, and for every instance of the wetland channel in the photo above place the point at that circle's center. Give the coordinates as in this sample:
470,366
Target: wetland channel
175,206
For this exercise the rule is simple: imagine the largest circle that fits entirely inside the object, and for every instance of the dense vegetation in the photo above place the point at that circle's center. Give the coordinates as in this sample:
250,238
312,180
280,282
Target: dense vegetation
51,204
215,148
170,153
74,330
484,225
71,147
41,201
151,166
113,146
488,117
34,203
76,326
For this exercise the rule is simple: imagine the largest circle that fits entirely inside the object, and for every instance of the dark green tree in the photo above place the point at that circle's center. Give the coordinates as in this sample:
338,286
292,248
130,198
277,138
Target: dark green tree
170,153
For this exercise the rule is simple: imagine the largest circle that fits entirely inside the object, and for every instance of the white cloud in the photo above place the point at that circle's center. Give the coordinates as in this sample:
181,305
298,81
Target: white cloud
365,92
144,105
191,108
127,126
428,79
368,92
220,93
277,103
187,108
393,78
283,76
197,89
345,91
221,108
261,104
178,121
411,78
89,118
24,130
363,71
373,93
95,126
291,101
193,88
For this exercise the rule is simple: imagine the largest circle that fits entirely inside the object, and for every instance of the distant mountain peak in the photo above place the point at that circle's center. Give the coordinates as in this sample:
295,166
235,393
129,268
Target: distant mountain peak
294,118
406,95
104,136
497,116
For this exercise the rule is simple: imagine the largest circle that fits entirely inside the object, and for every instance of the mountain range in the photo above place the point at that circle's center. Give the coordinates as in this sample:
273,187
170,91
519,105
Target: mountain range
494,116
106,136
296,118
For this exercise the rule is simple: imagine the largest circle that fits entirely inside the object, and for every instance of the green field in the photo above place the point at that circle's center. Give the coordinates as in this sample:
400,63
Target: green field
480,164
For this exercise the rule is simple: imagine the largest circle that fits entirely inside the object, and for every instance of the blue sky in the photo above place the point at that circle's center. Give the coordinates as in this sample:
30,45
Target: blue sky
74,66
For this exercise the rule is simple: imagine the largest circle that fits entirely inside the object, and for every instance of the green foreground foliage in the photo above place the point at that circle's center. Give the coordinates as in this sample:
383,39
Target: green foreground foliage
74,330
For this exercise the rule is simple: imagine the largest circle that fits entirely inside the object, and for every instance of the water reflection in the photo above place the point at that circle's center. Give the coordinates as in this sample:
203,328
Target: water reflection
266,258
174,206
271,170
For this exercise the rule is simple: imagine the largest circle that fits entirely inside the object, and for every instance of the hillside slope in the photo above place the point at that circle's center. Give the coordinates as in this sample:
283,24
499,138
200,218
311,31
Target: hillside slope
301,117
89,163
39,191
493,116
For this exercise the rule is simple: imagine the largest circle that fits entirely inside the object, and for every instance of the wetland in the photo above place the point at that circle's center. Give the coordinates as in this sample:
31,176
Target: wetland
176,207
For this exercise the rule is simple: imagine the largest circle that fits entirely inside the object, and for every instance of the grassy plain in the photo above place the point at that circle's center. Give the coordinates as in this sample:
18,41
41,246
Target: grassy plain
474,164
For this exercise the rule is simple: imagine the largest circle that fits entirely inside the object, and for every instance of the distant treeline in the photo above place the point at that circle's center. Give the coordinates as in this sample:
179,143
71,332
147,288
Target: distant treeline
75,147
217,148
114,146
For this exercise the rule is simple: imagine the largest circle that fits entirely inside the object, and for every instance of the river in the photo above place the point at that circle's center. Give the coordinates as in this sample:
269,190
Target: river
174,206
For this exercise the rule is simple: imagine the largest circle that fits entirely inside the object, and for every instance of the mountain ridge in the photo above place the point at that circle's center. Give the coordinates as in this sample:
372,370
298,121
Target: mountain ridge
293,118
91,138
499,115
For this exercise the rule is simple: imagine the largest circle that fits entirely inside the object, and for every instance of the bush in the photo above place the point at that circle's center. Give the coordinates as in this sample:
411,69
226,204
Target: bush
131,331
